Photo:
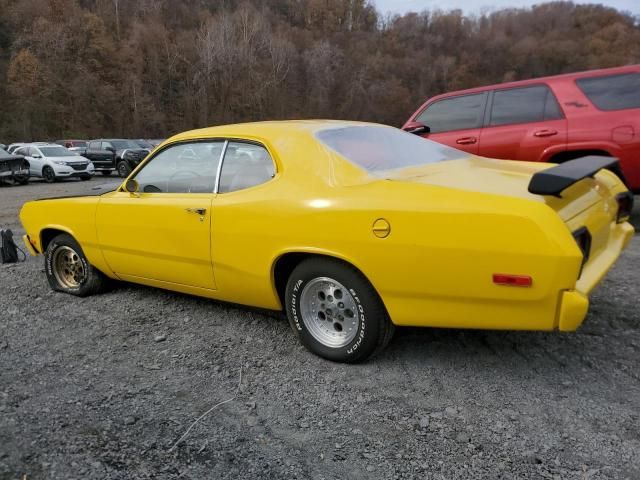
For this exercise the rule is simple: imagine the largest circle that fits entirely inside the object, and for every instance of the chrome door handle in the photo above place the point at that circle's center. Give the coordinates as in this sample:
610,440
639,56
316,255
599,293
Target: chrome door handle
199,211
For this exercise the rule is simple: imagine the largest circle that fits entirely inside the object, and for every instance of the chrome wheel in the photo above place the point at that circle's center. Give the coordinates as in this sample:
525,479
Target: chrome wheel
68,268
329,312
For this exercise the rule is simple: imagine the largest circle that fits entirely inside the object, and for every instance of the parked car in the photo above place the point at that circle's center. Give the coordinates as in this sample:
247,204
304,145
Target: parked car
115,154
3,146
54,162
551,119
350,227
13,168
78,147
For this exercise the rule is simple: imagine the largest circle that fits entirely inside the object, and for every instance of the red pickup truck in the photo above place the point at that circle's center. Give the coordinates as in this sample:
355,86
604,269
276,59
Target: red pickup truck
551,119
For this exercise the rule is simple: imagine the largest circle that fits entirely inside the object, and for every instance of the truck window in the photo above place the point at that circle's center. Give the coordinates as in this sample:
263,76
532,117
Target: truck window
456,113
524,105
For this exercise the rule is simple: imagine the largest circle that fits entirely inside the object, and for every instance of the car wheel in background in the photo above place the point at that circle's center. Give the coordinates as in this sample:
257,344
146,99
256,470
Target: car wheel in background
48,174
69,271
123,169
21,179
335,311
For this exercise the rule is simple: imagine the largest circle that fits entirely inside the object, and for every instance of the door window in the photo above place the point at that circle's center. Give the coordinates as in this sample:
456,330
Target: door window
457,113
524,105
183,168
612,92
94,146
245,165
106,145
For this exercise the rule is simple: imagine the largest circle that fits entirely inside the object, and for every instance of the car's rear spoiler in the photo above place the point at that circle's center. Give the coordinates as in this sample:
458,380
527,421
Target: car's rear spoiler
554,180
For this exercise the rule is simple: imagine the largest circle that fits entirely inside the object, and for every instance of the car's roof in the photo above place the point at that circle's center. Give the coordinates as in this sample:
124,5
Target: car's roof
548,79
269,129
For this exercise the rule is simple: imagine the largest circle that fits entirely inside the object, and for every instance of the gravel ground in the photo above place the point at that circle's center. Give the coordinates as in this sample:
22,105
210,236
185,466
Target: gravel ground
103,387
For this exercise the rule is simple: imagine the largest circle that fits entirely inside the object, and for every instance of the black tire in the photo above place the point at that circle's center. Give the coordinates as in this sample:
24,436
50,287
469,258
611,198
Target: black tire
123,169
374,329
21,179
106,173
48,174
92,281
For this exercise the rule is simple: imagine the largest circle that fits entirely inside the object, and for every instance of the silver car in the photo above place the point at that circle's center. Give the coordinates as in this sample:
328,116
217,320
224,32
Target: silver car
53,162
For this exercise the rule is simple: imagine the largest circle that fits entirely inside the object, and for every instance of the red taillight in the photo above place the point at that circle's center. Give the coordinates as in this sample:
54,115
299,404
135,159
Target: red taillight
625,206
512,280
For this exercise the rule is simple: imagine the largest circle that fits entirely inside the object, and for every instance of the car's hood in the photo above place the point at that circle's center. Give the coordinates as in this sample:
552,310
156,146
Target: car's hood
500,177
94,192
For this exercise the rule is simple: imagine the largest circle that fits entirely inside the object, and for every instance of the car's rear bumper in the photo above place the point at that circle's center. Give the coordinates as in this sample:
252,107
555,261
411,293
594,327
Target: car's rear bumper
574,304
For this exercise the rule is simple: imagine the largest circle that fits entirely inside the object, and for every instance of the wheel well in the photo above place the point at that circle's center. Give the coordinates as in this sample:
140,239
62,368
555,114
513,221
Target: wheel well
47,235
285,265
573,154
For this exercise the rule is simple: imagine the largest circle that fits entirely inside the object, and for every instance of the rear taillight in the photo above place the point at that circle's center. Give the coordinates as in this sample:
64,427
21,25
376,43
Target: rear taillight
625,206
583,239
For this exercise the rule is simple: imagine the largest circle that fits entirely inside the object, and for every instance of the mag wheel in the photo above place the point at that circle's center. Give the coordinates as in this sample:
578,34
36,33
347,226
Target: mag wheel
335,311
123,169
69,271
48,174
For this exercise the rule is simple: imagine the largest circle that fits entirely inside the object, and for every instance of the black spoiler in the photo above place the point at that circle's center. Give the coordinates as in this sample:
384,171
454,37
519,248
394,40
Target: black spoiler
554,180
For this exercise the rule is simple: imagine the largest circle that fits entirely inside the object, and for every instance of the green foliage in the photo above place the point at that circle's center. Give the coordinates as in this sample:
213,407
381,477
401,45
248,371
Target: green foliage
150,68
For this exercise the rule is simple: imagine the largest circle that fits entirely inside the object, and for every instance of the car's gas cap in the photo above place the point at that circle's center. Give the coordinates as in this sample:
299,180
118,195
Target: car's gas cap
381,228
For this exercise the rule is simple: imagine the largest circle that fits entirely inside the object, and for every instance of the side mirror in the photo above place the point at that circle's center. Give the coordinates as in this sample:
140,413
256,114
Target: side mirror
416,128
131,186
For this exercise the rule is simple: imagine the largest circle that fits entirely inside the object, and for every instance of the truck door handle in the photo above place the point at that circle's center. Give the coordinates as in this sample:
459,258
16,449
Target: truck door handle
466,140
199,211
545,133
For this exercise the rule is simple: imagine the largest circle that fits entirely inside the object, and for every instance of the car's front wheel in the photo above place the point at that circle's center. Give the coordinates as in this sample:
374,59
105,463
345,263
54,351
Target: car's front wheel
69,271
335,311
123,169
48,174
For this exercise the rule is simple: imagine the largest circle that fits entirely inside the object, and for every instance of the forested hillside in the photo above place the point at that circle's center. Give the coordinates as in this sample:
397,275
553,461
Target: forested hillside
148,68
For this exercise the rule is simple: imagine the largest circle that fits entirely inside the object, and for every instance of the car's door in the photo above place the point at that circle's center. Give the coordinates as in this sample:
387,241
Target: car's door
455,121
163,232
36,162
524,123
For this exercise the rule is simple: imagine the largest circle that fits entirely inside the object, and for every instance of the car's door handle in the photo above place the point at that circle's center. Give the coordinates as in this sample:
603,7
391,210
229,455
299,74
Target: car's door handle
545,133
199,211
466,140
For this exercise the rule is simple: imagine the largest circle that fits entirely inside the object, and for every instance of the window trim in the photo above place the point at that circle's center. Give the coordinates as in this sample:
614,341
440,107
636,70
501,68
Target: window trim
489,109
226,141
481,117
575,81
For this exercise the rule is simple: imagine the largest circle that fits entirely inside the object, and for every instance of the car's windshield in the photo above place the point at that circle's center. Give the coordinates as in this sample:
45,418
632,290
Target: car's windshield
122,144
378,148
55,152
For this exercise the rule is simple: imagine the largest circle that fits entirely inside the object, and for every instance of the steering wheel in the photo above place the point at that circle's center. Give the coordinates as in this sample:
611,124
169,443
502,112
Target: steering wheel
188,173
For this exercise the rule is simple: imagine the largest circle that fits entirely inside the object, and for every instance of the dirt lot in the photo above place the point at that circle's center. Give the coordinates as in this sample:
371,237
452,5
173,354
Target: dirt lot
102,387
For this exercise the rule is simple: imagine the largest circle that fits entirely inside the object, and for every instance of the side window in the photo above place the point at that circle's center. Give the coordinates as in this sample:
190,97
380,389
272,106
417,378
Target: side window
94,146
457,113
245,165
183,168
33,151
523,105
612,92
21,151
106,145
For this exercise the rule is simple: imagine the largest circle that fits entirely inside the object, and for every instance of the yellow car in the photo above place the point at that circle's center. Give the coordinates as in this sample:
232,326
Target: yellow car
352,228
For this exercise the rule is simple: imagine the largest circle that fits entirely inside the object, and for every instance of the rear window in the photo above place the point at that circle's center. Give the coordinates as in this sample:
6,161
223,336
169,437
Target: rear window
523,105
612,92
378,148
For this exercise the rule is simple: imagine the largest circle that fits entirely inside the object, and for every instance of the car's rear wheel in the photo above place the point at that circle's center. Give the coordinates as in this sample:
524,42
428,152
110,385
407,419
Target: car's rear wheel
335,311
123,169
69,271
48,174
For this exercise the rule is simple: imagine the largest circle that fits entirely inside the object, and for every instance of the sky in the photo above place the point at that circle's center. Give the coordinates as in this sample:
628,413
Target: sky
477,6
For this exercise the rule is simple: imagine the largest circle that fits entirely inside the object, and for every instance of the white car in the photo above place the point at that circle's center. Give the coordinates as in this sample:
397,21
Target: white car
52,162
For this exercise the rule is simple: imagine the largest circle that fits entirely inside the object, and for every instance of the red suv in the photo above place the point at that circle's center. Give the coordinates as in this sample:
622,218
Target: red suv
551,119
